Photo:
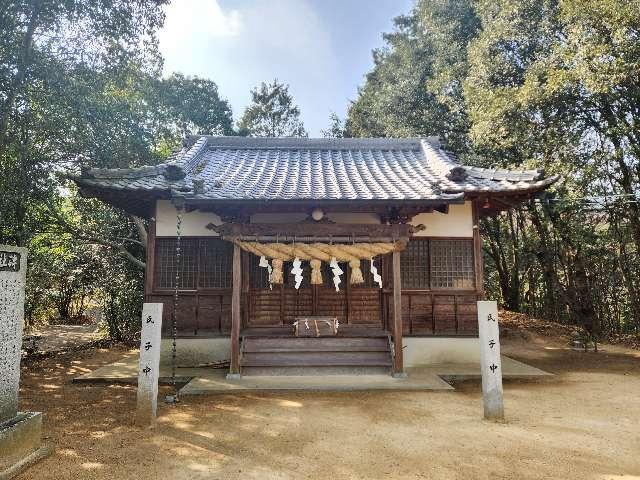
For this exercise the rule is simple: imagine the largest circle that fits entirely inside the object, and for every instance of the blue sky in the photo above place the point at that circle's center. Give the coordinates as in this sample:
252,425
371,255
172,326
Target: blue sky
321,48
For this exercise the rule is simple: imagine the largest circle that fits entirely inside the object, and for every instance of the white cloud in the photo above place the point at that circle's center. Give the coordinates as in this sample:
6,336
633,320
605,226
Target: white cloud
255,41
188,19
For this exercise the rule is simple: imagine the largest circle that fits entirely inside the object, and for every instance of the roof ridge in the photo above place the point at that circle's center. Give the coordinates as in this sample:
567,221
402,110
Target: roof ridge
131,172
305,143
187,154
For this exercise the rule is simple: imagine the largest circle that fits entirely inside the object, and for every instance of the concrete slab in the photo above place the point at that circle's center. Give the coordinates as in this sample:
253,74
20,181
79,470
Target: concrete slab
511,369
216,382
212,380
125,370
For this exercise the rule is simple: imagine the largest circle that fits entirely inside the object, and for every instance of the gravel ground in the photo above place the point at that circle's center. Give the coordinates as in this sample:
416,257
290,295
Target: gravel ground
583,424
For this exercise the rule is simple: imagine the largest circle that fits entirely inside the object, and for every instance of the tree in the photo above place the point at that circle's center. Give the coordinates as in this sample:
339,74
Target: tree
272,113
415,87
183,106
336,127
80,86
532,84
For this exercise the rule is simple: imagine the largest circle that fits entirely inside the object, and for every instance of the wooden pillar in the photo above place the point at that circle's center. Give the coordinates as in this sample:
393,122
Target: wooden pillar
234,370
150,259
398,369
477,251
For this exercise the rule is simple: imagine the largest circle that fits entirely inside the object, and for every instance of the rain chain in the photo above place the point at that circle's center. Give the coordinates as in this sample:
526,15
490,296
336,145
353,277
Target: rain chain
174,320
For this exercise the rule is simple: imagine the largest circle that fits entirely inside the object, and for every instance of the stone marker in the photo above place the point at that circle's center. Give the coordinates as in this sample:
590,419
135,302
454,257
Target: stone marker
149,369
490,362
20,432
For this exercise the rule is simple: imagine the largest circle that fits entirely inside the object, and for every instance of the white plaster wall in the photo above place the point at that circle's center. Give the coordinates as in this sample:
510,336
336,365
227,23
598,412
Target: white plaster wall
196,351
457,223
193,223
434,350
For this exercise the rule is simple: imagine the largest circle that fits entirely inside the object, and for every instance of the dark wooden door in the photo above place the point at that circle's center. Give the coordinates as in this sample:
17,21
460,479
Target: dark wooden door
353,305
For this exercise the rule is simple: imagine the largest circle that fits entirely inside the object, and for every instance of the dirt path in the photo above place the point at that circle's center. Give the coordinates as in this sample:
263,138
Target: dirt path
54,338
585,424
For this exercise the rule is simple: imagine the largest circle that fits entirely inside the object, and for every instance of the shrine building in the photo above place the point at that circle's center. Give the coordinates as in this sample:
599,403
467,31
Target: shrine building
381,234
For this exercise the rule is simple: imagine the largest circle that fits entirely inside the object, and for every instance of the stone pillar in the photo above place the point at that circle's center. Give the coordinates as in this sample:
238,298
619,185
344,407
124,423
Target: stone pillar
20,432
149,370
13,275
490,363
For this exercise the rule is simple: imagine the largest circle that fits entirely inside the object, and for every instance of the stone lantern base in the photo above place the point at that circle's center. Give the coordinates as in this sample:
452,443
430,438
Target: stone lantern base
21,443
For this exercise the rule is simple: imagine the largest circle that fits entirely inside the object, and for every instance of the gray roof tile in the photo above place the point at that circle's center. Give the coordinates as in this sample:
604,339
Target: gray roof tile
240,168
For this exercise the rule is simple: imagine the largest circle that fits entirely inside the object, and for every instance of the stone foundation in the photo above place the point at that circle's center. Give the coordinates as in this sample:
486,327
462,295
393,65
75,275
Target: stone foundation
191,352
20,443
418,351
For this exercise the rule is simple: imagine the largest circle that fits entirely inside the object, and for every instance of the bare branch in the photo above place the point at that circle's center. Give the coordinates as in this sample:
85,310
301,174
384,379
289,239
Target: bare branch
142,231
94,240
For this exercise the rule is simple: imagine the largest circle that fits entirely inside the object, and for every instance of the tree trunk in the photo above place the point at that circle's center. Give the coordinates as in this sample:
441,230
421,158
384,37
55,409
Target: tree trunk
21,71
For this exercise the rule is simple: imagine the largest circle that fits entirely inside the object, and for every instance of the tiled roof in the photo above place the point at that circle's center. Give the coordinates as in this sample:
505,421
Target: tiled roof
240,168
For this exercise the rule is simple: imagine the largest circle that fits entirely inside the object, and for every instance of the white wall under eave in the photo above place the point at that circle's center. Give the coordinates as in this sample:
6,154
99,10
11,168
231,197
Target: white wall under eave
337,217
193,223
457,223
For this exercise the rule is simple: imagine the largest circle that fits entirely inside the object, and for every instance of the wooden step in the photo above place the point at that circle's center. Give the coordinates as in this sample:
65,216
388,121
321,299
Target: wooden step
316,359
315,355
321,344
287,331
314,371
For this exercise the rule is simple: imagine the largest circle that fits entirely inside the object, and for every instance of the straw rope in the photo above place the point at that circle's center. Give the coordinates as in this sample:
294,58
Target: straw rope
316,253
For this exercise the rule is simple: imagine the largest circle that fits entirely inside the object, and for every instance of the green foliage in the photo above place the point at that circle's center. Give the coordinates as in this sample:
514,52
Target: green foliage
122,300
272,113
536,84
415,88
184,106
336,127
80,86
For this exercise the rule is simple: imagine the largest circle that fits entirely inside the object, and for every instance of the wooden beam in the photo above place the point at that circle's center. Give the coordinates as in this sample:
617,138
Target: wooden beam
384,208
234,369
398,369
347,232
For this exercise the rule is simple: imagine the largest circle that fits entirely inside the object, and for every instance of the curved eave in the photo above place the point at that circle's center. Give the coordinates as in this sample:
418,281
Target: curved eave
141,201
493,202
